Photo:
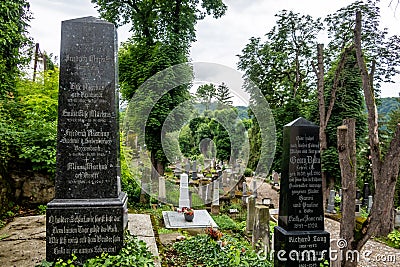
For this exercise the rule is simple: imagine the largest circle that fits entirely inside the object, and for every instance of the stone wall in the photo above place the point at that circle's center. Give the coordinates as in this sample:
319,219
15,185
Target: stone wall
4,192
32,188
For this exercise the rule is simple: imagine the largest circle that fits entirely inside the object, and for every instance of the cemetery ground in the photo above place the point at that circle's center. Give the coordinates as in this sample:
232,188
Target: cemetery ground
22,240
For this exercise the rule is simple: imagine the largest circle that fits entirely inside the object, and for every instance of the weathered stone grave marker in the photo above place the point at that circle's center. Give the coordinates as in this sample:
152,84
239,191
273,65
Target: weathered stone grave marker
331,202
215,198
88,215
299,238
184,201
260,236
251,204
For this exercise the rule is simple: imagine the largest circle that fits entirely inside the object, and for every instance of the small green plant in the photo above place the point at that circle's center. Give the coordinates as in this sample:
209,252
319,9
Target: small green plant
2,224
42,209
394,238
134,253
248,172
224,222
324,263
230,251
364,213
164,231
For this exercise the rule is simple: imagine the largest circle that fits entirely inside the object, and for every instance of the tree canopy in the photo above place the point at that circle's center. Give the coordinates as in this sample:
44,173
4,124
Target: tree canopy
162,34
14,19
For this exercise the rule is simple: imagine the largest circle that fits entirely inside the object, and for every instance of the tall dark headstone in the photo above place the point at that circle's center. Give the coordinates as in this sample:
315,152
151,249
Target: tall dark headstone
88,215
366,193
300,239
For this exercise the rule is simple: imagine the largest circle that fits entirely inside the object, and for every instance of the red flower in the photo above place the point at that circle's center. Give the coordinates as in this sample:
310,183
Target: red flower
187,211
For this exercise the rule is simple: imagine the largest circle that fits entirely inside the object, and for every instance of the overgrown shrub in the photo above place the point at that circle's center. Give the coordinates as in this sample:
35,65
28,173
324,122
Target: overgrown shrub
202,250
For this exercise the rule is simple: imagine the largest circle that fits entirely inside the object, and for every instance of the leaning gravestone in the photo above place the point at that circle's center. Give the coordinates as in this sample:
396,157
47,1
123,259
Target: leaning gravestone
300,239
88,215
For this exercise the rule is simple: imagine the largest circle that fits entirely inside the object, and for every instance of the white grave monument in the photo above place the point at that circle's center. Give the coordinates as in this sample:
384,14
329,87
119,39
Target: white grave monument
184,192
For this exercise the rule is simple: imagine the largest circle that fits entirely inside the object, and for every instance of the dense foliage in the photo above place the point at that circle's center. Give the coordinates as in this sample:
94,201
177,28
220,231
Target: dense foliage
281,66
217,134
162,34
28,124
202,250
14,19
349,103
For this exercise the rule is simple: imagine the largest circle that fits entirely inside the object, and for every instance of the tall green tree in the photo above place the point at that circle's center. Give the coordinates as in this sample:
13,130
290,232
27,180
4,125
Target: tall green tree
205,93
223,95
281,69
14,21
381,50
162,34
349,103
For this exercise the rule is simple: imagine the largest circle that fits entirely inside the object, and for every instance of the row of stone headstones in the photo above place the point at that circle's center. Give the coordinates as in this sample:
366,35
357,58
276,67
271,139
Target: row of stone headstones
191,167
366,202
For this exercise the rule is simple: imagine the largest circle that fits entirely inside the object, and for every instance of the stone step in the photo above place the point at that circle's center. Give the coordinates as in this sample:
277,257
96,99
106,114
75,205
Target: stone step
140,225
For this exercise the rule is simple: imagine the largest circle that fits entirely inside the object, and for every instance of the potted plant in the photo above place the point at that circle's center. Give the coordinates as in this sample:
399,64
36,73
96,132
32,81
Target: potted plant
188,213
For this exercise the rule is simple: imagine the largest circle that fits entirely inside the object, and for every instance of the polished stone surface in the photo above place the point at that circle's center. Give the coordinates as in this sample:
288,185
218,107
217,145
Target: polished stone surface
202,219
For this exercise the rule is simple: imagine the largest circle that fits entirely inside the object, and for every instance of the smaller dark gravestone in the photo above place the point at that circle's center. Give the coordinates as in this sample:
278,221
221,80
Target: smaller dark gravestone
88,215
300,239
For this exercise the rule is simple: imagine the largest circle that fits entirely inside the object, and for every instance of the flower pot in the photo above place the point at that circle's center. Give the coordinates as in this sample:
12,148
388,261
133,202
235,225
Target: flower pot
188,217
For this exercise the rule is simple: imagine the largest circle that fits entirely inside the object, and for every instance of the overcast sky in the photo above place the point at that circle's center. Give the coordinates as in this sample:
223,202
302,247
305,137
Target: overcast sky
218,40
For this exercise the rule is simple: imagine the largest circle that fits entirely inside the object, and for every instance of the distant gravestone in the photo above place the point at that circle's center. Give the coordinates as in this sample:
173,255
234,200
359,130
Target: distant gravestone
260,236
254,188
184,192
187,167
215,198
194,171
178,169
145,186
301,217
275,177
251,204
88,215
162,194
331,202
366,193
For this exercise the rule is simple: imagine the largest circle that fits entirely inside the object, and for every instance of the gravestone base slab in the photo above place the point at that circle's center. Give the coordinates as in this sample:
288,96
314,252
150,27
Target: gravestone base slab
201,220
85,227
300,248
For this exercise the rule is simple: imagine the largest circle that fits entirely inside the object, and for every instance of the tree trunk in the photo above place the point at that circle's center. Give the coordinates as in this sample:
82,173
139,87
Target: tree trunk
325,113
385,172
321,108
346,137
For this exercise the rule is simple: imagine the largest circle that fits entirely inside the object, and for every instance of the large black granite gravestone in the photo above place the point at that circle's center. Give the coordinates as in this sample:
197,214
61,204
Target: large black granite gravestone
300,239
88,215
